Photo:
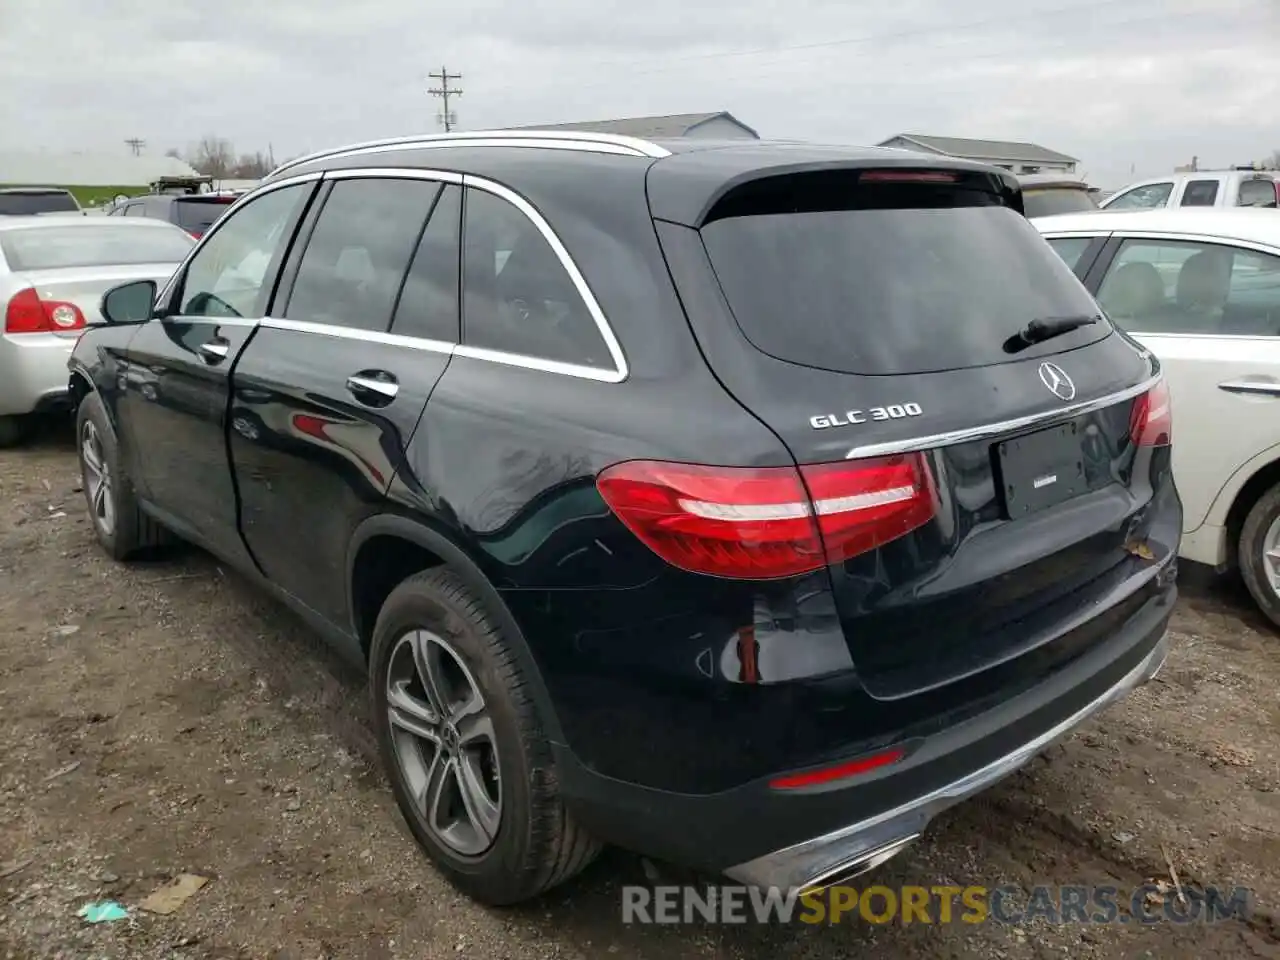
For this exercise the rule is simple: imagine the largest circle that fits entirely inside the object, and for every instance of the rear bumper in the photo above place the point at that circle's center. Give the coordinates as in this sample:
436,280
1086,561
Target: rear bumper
860,846
33,372
765,837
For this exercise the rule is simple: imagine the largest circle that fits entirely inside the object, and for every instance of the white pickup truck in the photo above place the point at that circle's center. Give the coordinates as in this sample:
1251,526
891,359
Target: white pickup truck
1204,188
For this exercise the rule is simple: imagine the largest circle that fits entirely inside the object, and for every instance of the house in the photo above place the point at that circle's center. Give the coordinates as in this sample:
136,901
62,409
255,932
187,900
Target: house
1011,155
83,169
713,126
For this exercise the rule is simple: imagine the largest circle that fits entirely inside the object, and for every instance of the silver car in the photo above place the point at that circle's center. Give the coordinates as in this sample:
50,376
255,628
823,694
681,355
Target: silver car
53,273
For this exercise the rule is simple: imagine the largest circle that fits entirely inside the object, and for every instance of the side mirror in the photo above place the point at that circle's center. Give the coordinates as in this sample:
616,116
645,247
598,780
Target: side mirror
132,302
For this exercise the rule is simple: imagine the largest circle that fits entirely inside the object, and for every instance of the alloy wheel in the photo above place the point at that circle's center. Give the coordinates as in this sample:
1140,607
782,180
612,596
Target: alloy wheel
1271,555
97,479
444,742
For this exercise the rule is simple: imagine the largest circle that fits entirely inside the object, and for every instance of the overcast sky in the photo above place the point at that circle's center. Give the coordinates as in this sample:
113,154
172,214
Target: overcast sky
1131,87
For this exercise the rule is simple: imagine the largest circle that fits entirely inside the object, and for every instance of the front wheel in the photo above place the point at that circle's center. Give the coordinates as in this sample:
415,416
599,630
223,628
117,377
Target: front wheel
472,772
121,527
1259,553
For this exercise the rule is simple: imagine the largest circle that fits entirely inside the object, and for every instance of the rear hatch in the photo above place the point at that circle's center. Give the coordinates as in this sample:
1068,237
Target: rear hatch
196,214
1047,200
877,321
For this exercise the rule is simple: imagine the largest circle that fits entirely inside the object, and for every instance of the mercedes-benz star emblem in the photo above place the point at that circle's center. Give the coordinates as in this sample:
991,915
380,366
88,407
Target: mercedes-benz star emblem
1056,379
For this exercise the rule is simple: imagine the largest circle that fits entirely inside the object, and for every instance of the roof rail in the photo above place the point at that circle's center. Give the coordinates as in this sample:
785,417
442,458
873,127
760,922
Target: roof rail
566,138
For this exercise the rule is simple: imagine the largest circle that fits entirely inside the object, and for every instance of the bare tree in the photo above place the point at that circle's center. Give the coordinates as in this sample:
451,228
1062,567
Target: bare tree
173,152
212,156
1274,160
251,166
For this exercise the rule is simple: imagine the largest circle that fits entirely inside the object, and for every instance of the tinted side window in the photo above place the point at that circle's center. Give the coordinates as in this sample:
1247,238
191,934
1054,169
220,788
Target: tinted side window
518,297
428,305
355,261
227,277
1200,193
1258,193
1141,198
1167,286
1071,249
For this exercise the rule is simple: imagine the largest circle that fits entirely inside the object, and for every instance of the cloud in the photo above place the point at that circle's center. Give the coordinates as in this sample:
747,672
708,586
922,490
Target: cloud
1129,87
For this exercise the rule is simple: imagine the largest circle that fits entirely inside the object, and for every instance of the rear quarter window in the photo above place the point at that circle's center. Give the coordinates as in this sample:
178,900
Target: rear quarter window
29,202
900,278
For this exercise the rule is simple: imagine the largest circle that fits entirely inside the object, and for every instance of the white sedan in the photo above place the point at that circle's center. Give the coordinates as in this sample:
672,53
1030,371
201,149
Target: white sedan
1201,290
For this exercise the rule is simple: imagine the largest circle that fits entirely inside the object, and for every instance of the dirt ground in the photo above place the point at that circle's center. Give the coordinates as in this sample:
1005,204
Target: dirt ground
166,718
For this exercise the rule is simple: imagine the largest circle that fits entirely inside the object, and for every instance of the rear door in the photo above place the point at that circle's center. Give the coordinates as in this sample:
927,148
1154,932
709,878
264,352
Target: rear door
176,372
1211,313
974,479
329,393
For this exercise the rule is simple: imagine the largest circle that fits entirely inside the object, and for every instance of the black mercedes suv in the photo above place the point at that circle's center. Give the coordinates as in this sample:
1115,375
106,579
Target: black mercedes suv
742,504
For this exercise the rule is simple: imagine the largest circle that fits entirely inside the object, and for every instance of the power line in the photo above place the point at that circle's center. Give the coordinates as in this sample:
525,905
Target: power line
444,93
136,145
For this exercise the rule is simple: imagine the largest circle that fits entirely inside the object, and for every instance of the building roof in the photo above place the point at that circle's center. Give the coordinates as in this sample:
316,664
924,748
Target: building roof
995,149
85,169
1248,224
674,125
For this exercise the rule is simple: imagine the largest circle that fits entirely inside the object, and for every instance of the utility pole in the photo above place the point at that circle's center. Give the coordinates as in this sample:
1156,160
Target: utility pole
444,92
136,145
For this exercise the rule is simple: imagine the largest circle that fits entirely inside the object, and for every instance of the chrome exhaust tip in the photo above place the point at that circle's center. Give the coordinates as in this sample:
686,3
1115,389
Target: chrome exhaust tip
864,863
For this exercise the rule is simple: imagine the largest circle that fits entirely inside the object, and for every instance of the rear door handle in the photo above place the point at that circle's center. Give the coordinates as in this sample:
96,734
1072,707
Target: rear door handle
214,351
373,387
1262,388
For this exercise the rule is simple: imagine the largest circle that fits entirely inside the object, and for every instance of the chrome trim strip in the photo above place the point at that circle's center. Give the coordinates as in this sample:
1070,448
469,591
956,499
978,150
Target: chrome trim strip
620,371
563,139
617,374
398,173
1141,233
787,868
351,333
995,429
216,321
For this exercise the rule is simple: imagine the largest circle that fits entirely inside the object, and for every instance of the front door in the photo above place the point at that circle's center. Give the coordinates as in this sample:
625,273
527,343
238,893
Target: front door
329,393
1211,313
177,370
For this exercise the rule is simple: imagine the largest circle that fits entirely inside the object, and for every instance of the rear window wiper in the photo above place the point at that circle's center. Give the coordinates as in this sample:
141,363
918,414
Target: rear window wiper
1046,328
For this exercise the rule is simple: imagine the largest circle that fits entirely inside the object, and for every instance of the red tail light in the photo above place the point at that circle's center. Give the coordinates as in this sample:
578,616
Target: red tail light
27,313
1151,422
768,522
196,234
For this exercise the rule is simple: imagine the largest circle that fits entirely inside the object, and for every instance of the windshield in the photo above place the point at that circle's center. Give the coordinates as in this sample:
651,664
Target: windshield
893,291
198,214
29,202
1048,201
106,244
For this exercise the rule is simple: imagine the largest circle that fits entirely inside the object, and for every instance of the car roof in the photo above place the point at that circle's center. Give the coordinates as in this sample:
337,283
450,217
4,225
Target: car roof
78,223
685,176
1236,223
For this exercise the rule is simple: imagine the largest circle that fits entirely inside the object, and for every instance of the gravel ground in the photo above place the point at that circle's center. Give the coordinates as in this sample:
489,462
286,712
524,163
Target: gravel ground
165,718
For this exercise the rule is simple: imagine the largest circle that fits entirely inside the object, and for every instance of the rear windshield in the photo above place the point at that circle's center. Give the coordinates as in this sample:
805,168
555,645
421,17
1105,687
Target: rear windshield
198,214
37,201
900,278
106,244
1050,200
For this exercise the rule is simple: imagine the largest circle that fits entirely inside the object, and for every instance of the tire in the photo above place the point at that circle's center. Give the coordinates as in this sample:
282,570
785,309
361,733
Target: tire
118,522
533,843
1251,552
12,430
